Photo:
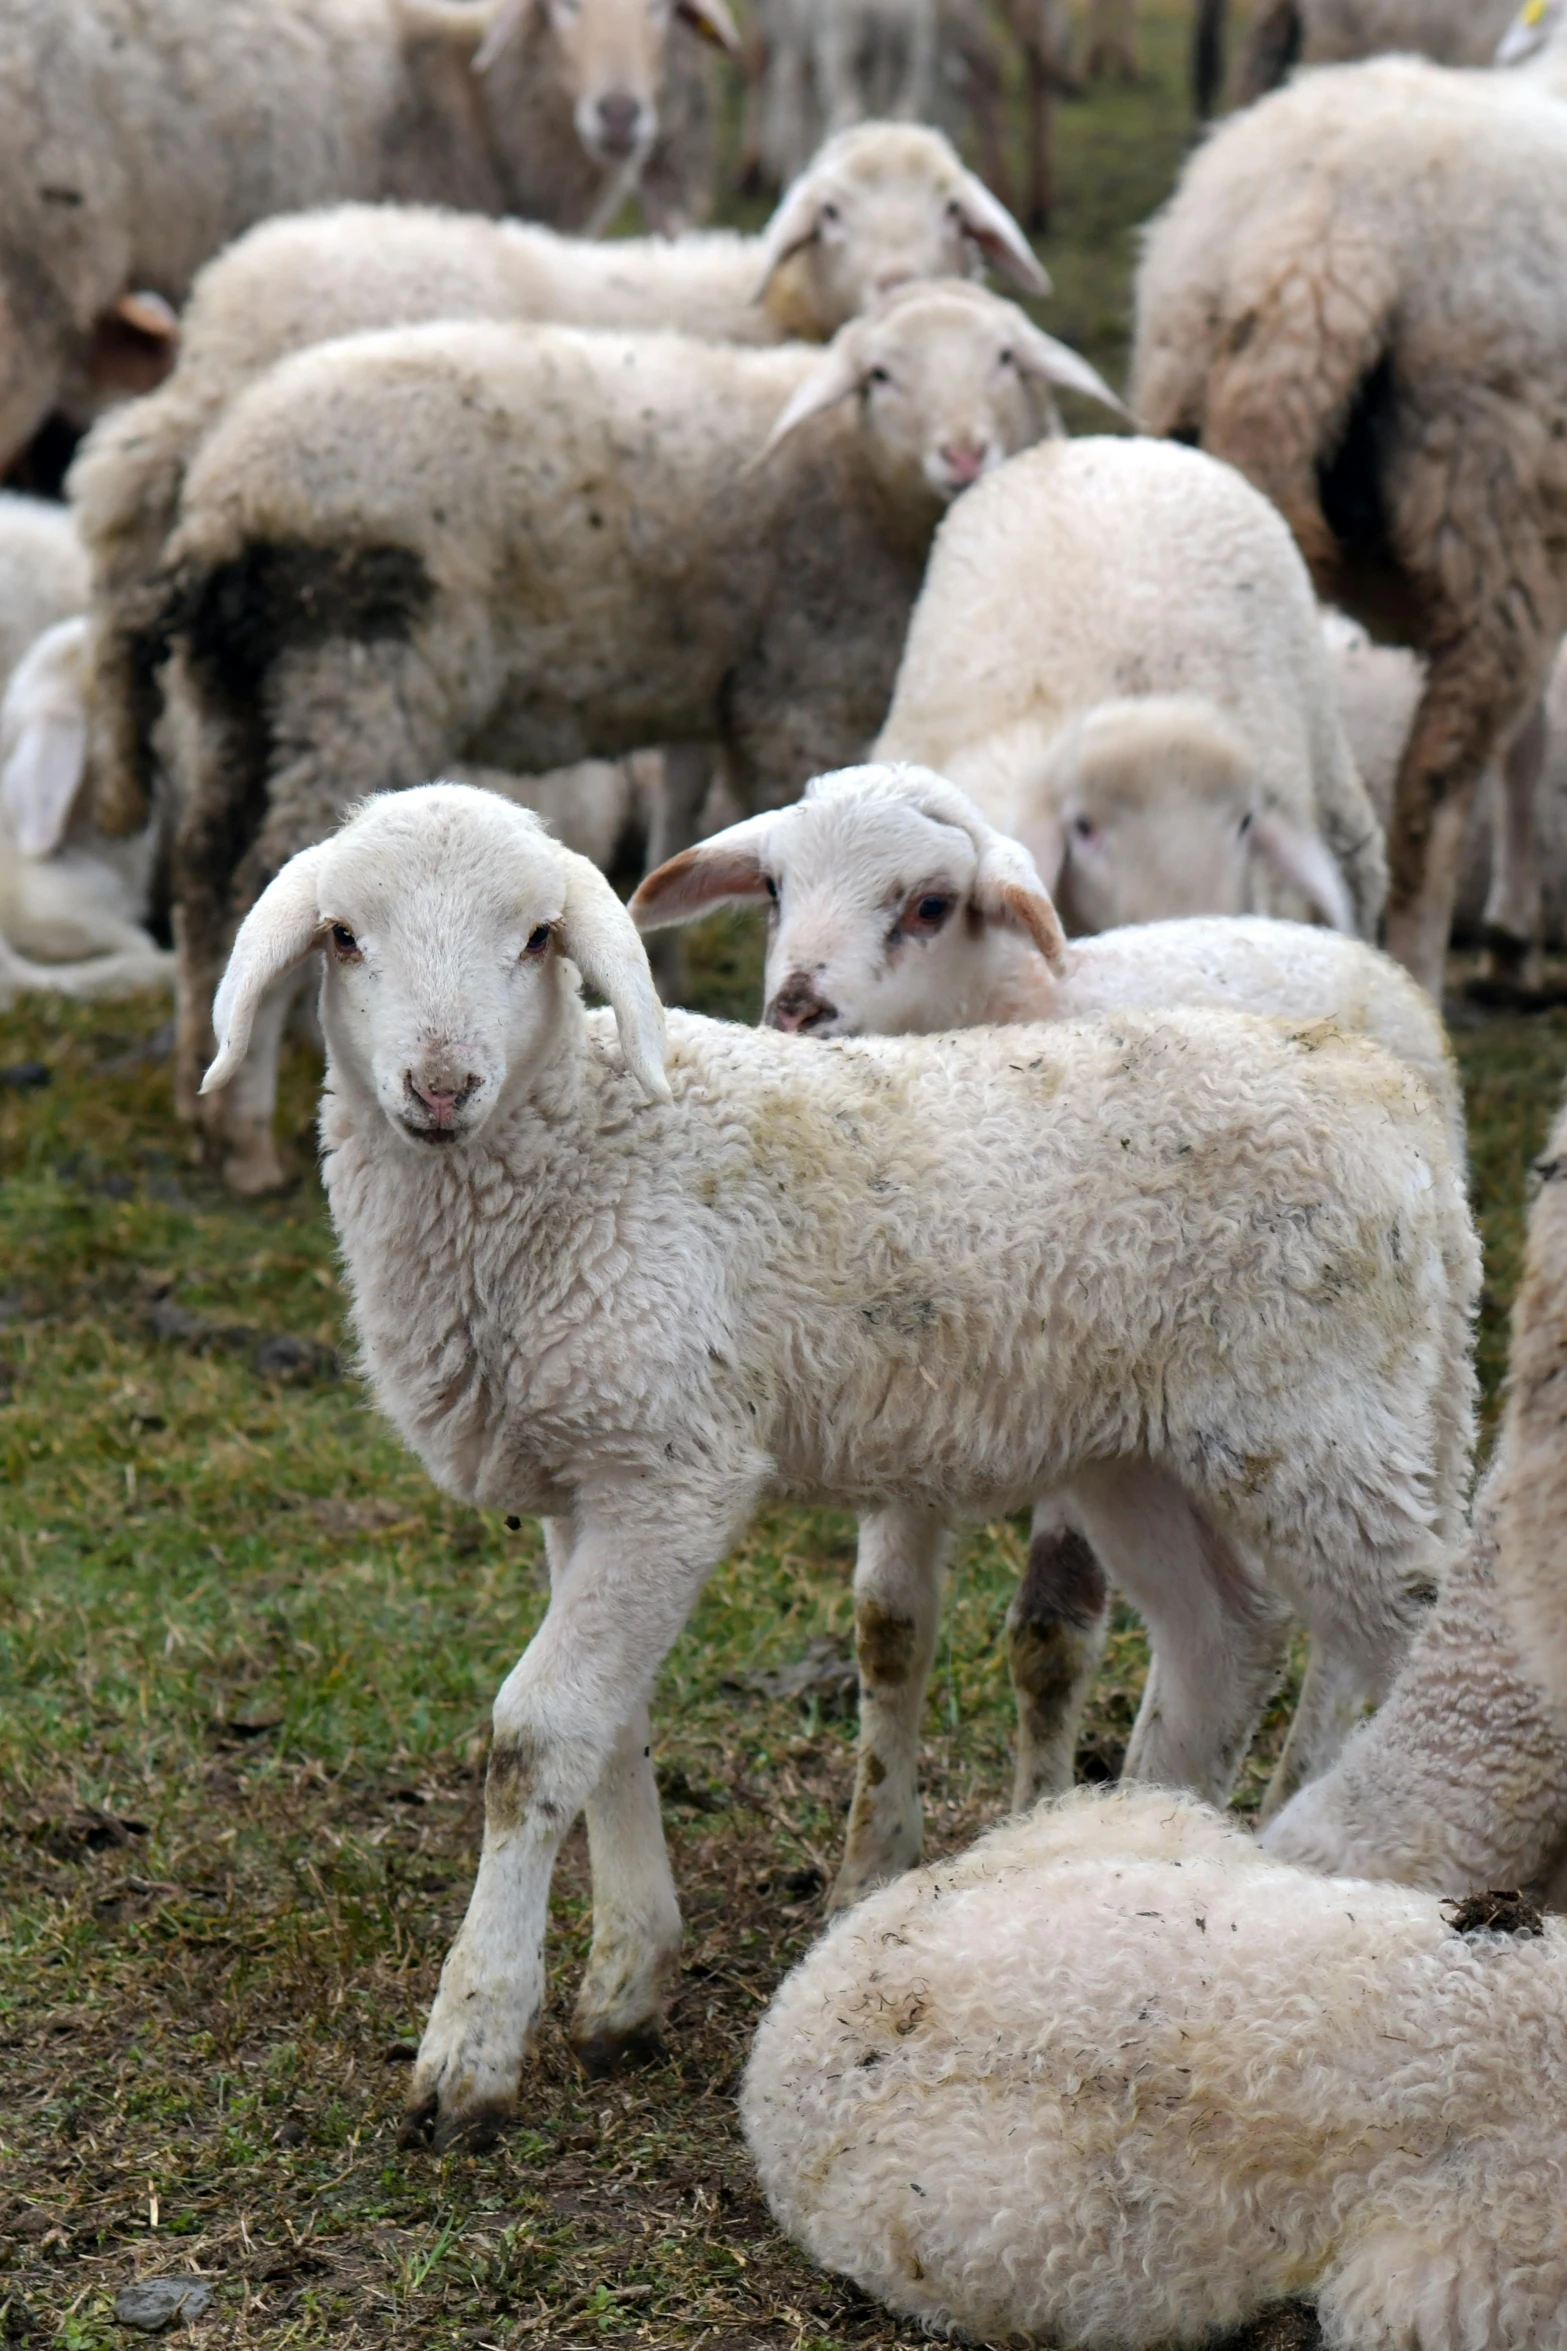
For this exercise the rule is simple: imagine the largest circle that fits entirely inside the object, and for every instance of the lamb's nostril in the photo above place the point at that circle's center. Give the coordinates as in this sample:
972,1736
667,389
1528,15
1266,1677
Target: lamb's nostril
443,1101
964,460
798,1007
619,121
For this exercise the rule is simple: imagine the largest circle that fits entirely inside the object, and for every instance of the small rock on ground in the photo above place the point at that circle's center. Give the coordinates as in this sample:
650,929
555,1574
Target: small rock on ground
155,2303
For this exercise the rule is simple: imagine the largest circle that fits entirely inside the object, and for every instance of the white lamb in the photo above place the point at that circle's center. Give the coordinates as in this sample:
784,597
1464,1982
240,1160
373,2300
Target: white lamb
1190,1264
894,910
1116,2078
1116,653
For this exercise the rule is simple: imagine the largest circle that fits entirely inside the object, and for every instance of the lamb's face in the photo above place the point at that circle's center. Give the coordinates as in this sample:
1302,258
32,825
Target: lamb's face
447,918
945,394
887,205
611,58
872,929
442,947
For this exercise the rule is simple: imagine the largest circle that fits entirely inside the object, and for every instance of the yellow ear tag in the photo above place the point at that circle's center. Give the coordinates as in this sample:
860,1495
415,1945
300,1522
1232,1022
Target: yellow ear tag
1533,12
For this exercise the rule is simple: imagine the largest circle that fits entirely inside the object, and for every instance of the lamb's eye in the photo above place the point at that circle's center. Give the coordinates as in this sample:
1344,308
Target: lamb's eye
929,912
829,214
878,375
1009,358
771,887
344,945
1084,827
1246,823
538,941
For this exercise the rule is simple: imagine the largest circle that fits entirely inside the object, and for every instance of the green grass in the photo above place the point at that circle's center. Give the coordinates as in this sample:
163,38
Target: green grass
246,1662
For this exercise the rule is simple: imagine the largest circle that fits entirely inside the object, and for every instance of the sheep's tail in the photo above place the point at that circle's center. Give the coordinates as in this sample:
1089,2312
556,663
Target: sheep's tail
125,491
1271,48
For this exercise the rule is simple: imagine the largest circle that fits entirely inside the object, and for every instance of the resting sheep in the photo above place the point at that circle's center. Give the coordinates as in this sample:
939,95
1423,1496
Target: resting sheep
1190,1264
1459,1781
1116,653
883,205
114,111
894,909
1343,299
1116,2078
524,548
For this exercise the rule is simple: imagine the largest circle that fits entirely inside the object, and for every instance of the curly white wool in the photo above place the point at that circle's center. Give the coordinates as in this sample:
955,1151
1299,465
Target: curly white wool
1116,2077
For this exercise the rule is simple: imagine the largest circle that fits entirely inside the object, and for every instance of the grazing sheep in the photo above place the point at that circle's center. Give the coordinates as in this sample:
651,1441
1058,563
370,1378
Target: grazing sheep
1189,1264
1285,33
1115,2077
469,542
883,205
72,901
895,910
1117,654
1346,297
1459,1782
116,109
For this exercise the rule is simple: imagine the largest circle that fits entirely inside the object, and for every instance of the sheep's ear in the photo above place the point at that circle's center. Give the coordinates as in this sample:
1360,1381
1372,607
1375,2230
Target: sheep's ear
601,939
793,226
835,377
42,776
712,20
1009,893
279,931
1048,362
508,21
723,871
996,233
1308,865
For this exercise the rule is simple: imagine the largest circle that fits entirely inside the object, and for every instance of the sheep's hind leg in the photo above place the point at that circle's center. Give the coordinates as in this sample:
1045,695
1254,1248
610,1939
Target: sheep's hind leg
897,1609
1332,1699
567,1722
1514,918
1218,1637
1056,1630
636,1914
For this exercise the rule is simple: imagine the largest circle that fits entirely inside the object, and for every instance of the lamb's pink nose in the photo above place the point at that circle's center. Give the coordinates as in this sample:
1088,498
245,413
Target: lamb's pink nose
964,460
443,1101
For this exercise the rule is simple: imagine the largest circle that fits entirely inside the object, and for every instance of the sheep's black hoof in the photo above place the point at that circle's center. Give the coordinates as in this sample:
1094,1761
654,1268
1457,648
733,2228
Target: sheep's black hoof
471,2132
603,2053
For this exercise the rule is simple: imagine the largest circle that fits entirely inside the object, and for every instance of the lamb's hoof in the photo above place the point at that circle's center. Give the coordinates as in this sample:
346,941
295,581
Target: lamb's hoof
473,2128
602,2050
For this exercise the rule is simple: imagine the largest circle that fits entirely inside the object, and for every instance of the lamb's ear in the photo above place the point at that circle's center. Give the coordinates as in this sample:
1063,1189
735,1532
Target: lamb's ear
601,939
713,21
1308,865
42,776
835,377
1009,893
723,871
279,931
1039,355
1007,890
996,233
793,226
509,20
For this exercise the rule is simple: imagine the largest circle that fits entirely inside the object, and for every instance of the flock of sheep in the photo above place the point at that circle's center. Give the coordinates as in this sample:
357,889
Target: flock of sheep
1089,1158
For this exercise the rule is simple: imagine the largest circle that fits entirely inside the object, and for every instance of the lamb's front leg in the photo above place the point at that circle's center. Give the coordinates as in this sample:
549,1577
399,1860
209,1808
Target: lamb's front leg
564,1720
897,1608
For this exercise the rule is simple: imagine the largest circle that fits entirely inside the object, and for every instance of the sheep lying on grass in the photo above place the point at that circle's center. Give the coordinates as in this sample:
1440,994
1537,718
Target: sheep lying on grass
1117,654
1459,1781
1189,1264
114,113
1342,298
524,547
1116,2078
884,205
894,909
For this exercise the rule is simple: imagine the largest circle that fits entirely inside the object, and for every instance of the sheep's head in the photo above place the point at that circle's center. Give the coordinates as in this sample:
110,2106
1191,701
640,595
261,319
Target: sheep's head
892,905
1151,808
610,56
884,205
445,917
950,380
